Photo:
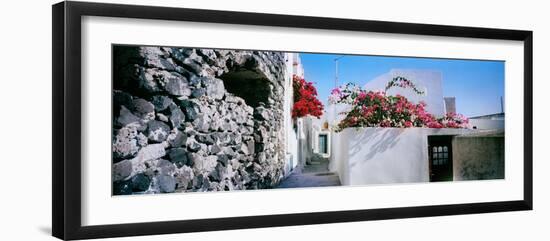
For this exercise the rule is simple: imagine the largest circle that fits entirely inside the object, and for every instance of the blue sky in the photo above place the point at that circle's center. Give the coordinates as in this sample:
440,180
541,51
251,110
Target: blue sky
476,84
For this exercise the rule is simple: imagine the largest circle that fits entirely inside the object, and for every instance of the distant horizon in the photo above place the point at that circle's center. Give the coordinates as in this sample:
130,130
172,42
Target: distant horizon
477,85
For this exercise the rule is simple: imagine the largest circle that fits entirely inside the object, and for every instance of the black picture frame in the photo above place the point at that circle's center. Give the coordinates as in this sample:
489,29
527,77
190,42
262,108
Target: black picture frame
67,137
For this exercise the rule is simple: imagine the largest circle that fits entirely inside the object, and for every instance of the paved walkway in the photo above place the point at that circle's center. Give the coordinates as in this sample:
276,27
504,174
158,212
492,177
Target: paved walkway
313,175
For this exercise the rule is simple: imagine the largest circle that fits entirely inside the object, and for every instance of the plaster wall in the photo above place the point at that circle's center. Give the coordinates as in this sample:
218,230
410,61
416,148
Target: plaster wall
428,81
384,155
478,157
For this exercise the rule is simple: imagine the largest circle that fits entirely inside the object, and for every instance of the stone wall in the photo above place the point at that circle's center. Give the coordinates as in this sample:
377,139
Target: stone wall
196,119
478,157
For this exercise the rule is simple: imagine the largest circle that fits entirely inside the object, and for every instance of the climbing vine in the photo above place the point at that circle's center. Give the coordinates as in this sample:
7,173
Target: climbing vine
403,82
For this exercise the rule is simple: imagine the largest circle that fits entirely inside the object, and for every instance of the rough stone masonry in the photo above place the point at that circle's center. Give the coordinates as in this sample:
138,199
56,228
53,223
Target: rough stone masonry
187,120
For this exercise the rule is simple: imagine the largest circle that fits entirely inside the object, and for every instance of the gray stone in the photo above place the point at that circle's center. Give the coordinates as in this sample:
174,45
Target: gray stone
166,183
122,170
235,164
202,123
195,80
214,186
215,174
240,117
261,135
126,117
194,66
245,176
229,152
125,142
157,131
236,138
248,109
225,125
198,92
223,138
214,87
261,157
180,54
245,130
156,58
188,129
122,188
174,83
221,172
152,56
193,145
243,149
176,116
201,182
145,155
184,176
143,109
225,172
205,138
233,99
165,167
162,117
190,109
205,164
261,113
250,147
141,140
178,156
193,157
121,98
214,149
216,124
223,159
176,138
161,102
147,80
140,182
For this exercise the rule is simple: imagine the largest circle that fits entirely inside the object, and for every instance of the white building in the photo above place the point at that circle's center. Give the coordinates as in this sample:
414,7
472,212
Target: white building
293,67
487,122
428,81
406,155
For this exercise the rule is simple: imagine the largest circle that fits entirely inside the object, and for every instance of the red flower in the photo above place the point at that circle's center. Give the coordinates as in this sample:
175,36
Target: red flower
305,99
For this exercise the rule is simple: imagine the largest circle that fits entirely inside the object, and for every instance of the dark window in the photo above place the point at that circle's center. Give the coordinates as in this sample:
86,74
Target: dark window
440,155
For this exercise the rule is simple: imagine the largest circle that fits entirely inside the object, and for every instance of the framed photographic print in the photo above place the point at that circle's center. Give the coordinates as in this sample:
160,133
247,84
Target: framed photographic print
170,120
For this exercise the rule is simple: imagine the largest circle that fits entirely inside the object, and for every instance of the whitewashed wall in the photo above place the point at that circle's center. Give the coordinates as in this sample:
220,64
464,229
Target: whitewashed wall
332,113
485,124
384,155
426,80
291,139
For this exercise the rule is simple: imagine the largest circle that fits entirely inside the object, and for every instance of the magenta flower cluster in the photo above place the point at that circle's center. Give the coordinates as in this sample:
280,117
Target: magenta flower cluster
376,109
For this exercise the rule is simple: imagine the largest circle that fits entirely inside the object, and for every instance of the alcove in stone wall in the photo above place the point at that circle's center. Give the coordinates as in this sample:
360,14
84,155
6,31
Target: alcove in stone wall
252,86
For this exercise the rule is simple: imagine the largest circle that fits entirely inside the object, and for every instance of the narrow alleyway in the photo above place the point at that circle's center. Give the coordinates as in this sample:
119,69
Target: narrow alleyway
314,175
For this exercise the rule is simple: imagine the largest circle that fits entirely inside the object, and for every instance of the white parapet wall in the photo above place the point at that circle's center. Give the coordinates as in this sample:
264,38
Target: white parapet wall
485,124
363,156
